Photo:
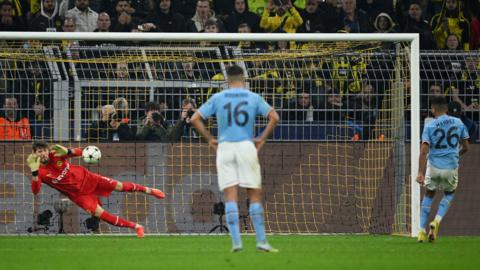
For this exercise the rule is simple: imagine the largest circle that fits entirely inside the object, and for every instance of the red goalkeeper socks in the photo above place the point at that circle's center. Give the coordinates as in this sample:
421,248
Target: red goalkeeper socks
116,220
131,187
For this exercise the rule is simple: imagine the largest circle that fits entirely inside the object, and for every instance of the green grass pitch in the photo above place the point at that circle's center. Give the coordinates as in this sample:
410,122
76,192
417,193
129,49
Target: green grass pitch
212,252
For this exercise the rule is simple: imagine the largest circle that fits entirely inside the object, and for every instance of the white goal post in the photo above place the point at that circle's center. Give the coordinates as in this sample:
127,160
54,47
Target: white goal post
412,39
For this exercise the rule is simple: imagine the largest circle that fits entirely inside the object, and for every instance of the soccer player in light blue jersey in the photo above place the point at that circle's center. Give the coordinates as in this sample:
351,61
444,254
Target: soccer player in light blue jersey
441,142
237,160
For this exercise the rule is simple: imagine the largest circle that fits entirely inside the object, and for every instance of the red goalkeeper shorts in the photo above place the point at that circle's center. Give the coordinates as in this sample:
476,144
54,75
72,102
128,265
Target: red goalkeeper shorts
89,202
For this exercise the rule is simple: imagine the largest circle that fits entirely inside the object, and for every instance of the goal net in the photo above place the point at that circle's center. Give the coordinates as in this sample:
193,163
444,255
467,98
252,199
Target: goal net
337,162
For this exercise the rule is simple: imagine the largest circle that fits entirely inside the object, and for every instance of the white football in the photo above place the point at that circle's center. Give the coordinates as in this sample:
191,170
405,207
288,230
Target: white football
91,154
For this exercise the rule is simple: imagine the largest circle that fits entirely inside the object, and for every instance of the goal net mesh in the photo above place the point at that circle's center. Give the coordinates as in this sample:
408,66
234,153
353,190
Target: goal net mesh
335,164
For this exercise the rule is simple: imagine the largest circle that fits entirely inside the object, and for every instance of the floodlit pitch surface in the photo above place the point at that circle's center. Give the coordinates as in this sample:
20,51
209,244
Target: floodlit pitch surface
213,252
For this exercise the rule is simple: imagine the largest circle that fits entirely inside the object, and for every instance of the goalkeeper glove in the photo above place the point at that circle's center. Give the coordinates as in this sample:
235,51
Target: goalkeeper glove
60,151
33,162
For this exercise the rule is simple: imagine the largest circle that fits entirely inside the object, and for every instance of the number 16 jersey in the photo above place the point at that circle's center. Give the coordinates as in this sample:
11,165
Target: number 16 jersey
443,135
236,110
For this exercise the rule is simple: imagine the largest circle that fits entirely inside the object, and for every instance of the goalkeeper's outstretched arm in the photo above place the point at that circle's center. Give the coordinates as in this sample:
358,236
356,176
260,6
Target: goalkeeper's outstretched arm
33,162
36,183
61,151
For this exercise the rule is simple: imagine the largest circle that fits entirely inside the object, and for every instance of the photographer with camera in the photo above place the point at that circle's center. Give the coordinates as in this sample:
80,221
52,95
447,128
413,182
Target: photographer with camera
154,127
189,107
110,127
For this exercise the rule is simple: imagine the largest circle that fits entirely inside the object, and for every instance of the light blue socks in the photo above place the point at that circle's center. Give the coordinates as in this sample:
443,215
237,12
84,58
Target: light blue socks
444,205
256,215
426,205
233,223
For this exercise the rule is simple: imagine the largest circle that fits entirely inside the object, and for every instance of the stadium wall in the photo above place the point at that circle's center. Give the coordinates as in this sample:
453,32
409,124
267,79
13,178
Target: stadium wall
309,187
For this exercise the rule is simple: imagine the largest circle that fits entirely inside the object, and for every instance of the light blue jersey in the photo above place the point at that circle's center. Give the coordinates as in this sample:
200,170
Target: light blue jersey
444,135
236,110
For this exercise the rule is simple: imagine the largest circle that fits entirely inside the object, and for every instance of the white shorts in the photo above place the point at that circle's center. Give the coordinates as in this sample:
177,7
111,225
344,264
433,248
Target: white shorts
237,164
441,179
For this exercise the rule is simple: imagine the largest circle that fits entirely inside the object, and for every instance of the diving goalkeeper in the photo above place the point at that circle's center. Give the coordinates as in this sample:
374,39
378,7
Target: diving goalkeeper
50,165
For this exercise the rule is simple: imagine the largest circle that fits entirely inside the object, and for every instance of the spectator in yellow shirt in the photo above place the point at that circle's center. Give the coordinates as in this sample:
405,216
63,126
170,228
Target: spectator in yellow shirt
451,20
285,17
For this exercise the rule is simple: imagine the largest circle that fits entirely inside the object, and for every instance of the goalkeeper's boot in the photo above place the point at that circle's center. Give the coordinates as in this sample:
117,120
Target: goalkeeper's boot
140,231
157,193
422,237
237,248
433,233
265,247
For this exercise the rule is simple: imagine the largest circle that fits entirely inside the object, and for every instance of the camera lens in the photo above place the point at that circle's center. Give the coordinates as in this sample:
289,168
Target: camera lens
156,116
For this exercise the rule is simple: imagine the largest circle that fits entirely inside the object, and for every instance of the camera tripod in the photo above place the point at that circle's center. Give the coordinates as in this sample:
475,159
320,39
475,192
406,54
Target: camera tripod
219,209
221,226
43,219
60,223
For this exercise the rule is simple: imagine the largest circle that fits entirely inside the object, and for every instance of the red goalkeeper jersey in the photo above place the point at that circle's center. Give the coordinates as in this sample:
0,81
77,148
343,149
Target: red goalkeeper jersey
69,179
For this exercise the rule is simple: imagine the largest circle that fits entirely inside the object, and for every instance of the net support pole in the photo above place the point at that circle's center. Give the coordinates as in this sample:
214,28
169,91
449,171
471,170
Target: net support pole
398,112
77,114
415,133
151,91
60,99
60,112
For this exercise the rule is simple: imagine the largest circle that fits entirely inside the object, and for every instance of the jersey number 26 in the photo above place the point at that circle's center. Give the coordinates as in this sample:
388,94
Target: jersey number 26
451,136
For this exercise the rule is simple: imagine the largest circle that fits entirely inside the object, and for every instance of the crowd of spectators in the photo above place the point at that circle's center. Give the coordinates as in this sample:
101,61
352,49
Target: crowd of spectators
442,24
342,91
114,123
